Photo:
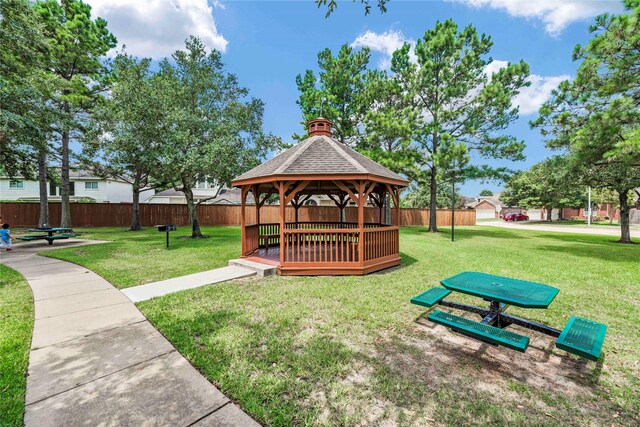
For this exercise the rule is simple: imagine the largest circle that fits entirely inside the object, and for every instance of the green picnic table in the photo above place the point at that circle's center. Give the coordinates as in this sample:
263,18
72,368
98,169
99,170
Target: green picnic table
580,336
50,234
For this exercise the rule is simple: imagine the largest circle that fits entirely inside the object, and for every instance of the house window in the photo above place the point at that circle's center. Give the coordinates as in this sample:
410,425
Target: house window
72,188
17,185
91,185
52,189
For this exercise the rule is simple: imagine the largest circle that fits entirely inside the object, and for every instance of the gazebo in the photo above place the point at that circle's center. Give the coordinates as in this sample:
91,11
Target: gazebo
321,165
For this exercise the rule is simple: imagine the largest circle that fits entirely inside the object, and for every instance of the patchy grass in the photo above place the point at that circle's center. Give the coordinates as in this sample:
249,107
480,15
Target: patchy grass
136,258
16,325
354,351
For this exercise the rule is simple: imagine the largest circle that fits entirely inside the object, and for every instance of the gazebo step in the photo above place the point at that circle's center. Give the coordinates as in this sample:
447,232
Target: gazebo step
261,270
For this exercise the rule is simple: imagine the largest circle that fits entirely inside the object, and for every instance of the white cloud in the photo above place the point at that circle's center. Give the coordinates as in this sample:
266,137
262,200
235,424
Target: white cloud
530,98
385,43
555,14
157,28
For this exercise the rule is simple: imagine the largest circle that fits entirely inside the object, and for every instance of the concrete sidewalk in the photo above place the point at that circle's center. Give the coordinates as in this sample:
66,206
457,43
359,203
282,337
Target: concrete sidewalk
95,360
595,230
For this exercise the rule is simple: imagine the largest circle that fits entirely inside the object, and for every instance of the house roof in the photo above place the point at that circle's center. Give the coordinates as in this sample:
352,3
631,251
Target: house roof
319,155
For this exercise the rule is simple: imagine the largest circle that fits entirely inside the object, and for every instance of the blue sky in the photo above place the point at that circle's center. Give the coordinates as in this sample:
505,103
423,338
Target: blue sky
267,43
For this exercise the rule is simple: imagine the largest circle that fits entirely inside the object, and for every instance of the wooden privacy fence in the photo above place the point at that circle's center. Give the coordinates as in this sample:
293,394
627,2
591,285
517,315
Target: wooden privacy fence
119,215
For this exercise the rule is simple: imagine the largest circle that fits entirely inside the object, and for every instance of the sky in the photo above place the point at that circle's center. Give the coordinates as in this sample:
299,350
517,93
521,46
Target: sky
267,43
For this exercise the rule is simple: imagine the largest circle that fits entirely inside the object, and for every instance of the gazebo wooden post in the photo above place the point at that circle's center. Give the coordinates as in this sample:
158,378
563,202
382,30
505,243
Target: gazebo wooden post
243,195
256,197
280,187
361,200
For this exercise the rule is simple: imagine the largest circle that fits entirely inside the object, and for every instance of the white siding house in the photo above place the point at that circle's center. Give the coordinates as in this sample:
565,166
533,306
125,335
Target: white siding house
84,186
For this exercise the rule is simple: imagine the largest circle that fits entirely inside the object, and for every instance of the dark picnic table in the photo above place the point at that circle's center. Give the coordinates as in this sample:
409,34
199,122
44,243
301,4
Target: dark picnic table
580,336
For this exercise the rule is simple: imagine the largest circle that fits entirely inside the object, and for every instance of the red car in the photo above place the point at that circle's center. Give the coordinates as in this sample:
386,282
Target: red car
515,217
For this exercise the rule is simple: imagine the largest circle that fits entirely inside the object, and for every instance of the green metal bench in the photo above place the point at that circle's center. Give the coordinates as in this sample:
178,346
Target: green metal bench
29,238
582,337
49,239
480,331
431,297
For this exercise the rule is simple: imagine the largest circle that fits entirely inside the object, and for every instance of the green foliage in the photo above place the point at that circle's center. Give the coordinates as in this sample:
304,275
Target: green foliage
23,87
126,139
548,184
333,4
78,75
459,108
388,124
486,193
596,117
337,93
209,129
419,196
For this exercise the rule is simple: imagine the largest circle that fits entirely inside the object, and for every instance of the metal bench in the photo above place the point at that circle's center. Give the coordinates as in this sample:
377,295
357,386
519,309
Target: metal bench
480,331
431,297
49,239
582,337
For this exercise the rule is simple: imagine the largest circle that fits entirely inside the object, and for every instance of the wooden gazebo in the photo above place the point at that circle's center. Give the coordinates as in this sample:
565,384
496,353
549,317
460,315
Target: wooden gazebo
321,165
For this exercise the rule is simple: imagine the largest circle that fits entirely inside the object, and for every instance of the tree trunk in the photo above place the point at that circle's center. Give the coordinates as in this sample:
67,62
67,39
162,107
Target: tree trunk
65,216
135,205
433,202
549,214
193,214
625,233
42,181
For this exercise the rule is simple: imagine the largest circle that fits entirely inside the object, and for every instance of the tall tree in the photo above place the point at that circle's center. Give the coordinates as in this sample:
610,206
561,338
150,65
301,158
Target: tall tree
210,129
77,44
24,87
550,184
388,123
337,93
596,117
126,136
460,106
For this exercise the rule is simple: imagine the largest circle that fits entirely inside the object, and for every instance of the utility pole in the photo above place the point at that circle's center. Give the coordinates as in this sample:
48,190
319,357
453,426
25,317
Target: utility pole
453,205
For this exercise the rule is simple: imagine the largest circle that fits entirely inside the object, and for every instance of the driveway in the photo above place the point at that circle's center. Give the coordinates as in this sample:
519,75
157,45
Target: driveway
596,229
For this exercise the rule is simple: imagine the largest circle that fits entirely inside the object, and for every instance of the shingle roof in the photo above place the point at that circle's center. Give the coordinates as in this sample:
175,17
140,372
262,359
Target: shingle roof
319,155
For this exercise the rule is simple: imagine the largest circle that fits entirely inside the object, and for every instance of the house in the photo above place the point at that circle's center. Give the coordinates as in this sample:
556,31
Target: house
486,207
204,193
603,211
84,186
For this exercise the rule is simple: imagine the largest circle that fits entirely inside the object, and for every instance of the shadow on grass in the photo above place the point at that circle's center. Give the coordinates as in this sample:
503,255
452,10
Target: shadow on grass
472,383
263,364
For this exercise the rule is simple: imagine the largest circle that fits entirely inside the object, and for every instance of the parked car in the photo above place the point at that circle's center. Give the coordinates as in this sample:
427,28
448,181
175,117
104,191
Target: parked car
515,217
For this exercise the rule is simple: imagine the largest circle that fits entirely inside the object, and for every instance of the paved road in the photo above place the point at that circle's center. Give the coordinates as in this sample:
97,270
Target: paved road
96,361
597,230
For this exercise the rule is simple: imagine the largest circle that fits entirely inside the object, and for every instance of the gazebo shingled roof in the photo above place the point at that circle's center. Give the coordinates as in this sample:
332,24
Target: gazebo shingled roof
320,155
321,165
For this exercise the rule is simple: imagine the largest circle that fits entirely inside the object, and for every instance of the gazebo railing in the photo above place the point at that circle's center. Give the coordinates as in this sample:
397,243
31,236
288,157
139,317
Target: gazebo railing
326,246
318,244
381,242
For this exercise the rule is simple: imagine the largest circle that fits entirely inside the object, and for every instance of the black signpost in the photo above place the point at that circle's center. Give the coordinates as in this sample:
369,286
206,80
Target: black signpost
166,228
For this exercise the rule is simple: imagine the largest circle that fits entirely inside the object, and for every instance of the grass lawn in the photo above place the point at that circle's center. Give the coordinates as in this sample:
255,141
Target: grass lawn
16,324
354,351
136,258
